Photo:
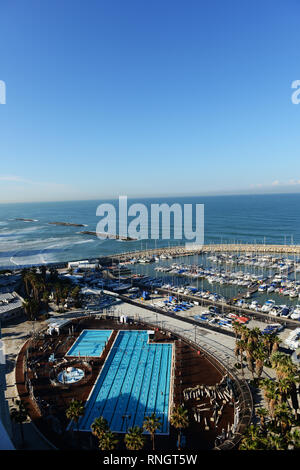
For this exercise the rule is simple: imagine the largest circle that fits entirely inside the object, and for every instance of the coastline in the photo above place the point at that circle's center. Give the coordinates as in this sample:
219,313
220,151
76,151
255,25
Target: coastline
179,251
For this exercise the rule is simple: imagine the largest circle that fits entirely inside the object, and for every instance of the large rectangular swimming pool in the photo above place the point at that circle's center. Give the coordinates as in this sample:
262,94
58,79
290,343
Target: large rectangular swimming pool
134,382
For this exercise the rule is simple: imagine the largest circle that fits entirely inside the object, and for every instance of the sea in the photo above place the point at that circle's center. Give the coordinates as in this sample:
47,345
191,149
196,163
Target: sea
269,219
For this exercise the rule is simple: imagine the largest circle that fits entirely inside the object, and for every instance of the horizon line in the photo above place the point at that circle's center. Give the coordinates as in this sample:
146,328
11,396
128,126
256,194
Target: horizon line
152,197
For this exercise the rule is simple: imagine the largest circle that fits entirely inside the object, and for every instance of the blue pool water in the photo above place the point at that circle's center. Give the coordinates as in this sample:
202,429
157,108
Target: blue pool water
134,382
90,343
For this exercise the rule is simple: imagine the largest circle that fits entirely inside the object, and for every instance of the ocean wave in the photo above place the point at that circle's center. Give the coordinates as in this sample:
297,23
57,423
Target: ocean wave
84,241
20,231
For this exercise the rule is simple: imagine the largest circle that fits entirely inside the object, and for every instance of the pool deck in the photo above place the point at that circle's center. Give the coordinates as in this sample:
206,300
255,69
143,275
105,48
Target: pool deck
16,333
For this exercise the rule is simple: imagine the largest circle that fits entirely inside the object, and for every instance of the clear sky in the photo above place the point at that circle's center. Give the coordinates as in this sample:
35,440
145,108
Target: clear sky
141,97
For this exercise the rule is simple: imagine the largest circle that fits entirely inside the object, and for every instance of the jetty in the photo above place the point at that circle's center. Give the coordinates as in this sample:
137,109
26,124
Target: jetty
185,250
27,220
66,224
108,235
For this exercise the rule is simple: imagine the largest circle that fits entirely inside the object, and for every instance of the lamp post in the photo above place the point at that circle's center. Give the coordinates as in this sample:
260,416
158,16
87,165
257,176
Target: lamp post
126,417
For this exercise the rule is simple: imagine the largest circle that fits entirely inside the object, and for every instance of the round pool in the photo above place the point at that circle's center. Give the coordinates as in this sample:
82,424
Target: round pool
70,375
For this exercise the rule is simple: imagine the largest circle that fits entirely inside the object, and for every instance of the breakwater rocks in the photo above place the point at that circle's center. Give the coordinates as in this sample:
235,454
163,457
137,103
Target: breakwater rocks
109,236
213,248
66,224
27,220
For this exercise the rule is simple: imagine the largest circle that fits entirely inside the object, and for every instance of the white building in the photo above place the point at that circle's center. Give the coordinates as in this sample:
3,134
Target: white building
85,264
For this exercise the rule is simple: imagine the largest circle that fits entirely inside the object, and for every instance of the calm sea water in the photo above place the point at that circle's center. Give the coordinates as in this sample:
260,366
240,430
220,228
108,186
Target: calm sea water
228,219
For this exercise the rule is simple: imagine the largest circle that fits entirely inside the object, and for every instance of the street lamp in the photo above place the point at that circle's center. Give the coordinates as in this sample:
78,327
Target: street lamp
126,417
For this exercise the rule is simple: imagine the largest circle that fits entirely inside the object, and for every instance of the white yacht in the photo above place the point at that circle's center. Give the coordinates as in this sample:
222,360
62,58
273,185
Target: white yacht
296,313
268,305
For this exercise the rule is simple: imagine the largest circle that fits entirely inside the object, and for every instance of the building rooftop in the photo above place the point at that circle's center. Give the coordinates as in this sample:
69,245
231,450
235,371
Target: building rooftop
9,301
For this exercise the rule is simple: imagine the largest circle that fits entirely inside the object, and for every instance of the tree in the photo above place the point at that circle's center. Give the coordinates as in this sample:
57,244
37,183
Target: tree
293,439
179,419
271,394
275,341
259,356
262,413
99,427
43,271
108,441
152,424
19,415
26,307
241,345
74,412
283,416
249,356
236,328
253,439
45,299
134,439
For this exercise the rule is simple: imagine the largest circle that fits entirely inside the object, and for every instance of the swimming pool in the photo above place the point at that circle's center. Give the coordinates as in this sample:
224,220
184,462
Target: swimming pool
134,382
90,343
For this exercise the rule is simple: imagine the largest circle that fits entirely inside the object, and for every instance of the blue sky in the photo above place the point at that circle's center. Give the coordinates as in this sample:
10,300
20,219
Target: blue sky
159,97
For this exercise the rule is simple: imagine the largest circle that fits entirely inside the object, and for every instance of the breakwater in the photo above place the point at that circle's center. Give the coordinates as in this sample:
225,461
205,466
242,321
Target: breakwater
212,248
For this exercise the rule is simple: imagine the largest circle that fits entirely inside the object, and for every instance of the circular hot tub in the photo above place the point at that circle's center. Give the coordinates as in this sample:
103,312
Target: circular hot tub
70,375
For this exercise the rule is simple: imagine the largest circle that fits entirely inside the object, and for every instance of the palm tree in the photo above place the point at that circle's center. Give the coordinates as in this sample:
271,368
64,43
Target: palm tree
262,413
57,293
19,415
275,340
151,425
271,394
179,419
26,307
284,417
276,442
43,271
259,356
74,412
253,439
26,280
293,439
253,336
99,427
45,299
267,342
134,439
236,328
244,332
241,345
53,274
249,356
284,387
283,365
108,441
